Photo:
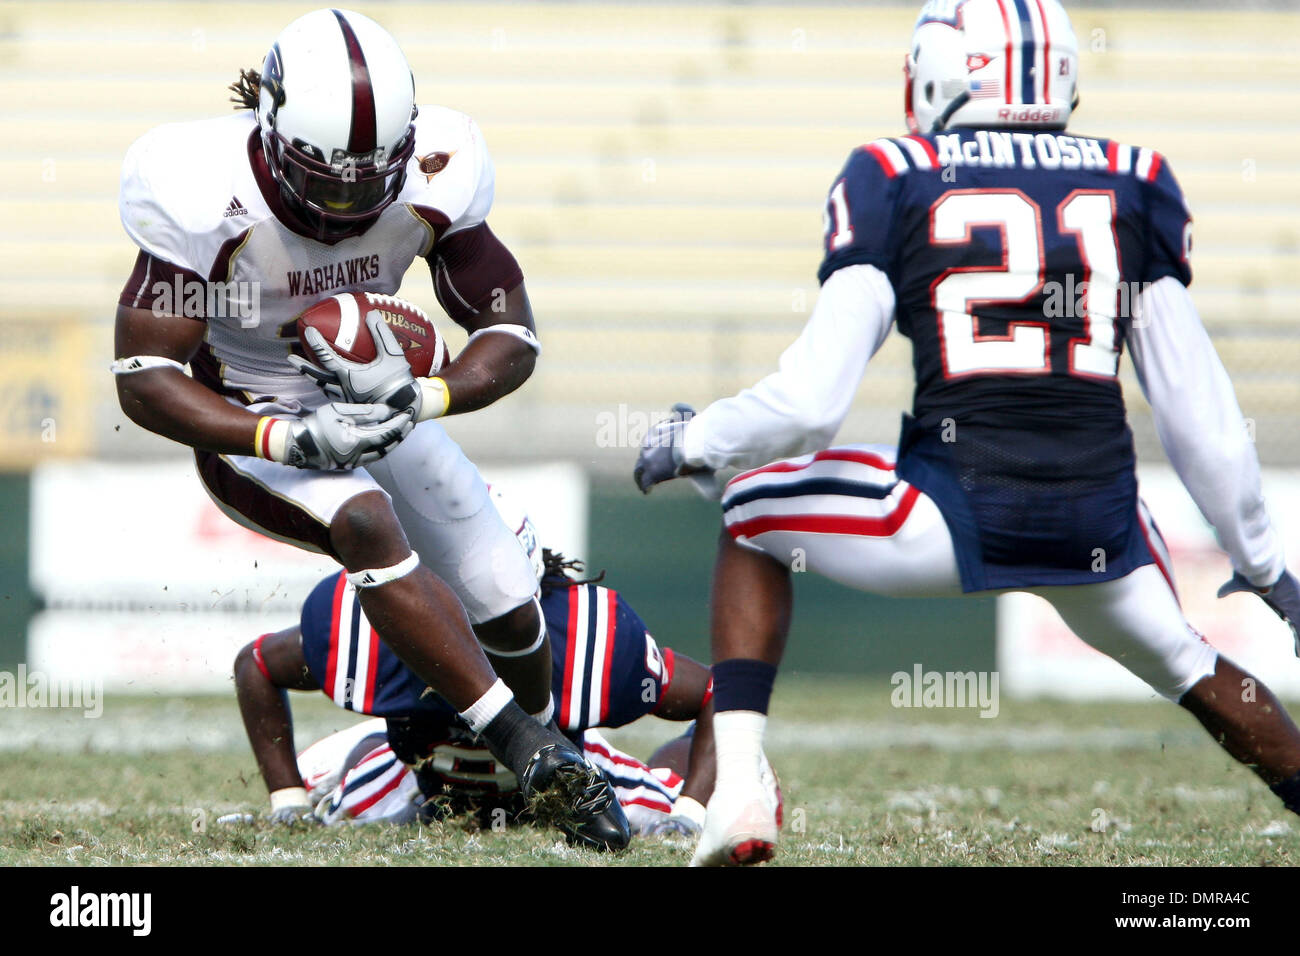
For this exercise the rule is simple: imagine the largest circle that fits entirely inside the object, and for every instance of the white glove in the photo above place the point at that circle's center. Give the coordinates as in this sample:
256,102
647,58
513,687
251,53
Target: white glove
385,379
339,436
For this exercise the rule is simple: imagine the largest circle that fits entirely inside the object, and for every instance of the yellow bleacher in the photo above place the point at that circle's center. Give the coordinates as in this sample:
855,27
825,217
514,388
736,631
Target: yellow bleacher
661,171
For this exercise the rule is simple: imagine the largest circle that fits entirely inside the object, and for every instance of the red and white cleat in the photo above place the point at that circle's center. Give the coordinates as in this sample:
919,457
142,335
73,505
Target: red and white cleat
741,823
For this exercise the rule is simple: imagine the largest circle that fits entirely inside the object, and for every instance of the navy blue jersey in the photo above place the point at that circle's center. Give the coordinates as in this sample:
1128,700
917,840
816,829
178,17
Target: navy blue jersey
1016,259
607,670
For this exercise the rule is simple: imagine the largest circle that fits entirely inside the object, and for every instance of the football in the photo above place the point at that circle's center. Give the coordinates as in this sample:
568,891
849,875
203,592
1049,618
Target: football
342,320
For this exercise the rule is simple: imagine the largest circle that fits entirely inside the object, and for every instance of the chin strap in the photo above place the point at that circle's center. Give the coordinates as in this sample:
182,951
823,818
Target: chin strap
958,101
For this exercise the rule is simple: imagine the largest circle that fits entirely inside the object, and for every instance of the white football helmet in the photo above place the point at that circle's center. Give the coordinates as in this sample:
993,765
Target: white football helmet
516,518
991,63
335,106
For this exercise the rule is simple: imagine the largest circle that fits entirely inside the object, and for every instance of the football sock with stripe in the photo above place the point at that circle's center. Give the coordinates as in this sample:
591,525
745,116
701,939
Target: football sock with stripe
742,689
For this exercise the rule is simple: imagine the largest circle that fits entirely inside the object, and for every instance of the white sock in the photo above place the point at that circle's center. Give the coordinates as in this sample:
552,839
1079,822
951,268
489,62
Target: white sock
493,701
738,743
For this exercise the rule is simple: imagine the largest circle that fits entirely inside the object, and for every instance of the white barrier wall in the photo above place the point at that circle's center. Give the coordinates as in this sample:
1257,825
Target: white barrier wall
1039,656
149,588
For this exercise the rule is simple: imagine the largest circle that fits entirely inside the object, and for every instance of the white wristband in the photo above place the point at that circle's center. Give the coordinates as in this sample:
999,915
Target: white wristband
436,400
690,809
295,797
271,440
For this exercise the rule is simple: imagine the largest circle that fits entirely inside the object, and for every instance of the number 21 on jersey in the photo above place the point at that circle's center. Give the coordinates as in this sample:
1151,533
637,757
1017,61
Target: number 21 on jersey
958,293
1025,349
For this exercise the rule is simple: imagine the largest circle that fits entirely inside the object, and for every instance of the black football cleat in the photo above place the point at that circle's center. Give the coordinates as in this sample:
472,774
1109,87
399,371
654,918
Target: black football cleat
566,792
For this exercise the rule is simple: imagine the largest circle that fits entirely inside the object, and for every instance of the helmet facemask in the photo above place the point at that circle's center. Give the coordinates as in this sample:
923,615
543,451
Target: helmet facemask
334,197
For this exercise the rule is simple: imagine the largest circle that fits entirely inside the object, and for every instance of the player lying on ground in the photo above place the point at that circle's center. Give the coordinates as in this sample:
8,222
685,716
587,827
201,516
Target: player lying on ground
1015,469
330,180
608,671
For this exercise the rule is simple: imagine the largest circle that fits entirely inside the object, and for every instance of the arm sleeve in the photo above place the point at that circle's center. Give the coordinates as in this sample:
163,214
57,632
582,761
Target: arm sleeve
800,407
470,266
470,269
1201,428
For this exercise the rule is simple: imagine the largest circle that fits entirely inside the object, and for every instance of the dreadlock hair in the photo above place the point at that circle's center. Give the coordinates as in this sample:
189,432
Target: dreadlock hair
246,89
555,568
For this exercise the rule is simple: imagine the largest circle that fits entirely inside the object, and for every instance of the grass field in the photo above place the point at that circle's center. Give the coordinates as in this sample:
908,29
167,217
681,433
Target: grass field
1043,783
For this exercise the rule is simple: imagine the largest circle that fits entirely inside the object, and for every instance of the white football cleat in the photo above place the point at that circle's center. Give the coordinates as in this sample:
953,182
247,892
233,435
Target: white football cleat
741,823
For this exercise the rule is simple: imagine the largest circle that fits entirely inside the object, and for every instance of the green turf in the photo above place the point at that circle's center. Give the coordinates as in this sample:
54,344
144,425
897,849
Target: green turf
1043,783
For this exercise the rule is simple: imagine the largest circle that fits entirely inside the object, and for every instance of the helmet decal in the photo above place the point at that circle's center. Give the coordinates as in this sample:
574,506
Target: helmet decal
272,84
363,134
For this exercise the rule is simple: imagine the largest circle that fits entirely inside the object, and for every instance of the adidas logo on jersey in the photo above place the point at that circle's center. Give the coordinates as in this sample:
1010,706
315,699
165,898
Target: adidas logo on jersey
236,208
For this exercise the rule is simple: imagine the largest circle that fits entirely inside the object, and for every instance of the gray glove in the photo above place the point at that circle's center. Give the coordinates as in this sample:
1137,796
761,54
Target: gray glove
339,436
673,828
661,456
661,449
1283,597
294,817
386,379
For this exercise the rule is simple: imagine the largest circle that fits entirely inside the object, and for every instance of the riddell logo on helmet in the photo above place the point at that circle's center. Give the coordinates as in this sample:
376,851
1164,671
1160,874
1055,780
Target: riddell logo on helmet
1031,114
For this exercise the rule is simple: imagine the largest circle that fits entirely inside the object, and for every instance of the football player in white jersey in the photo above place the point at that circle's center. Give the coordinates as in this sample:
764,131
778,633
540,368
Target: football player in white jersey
329,179
1015,470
